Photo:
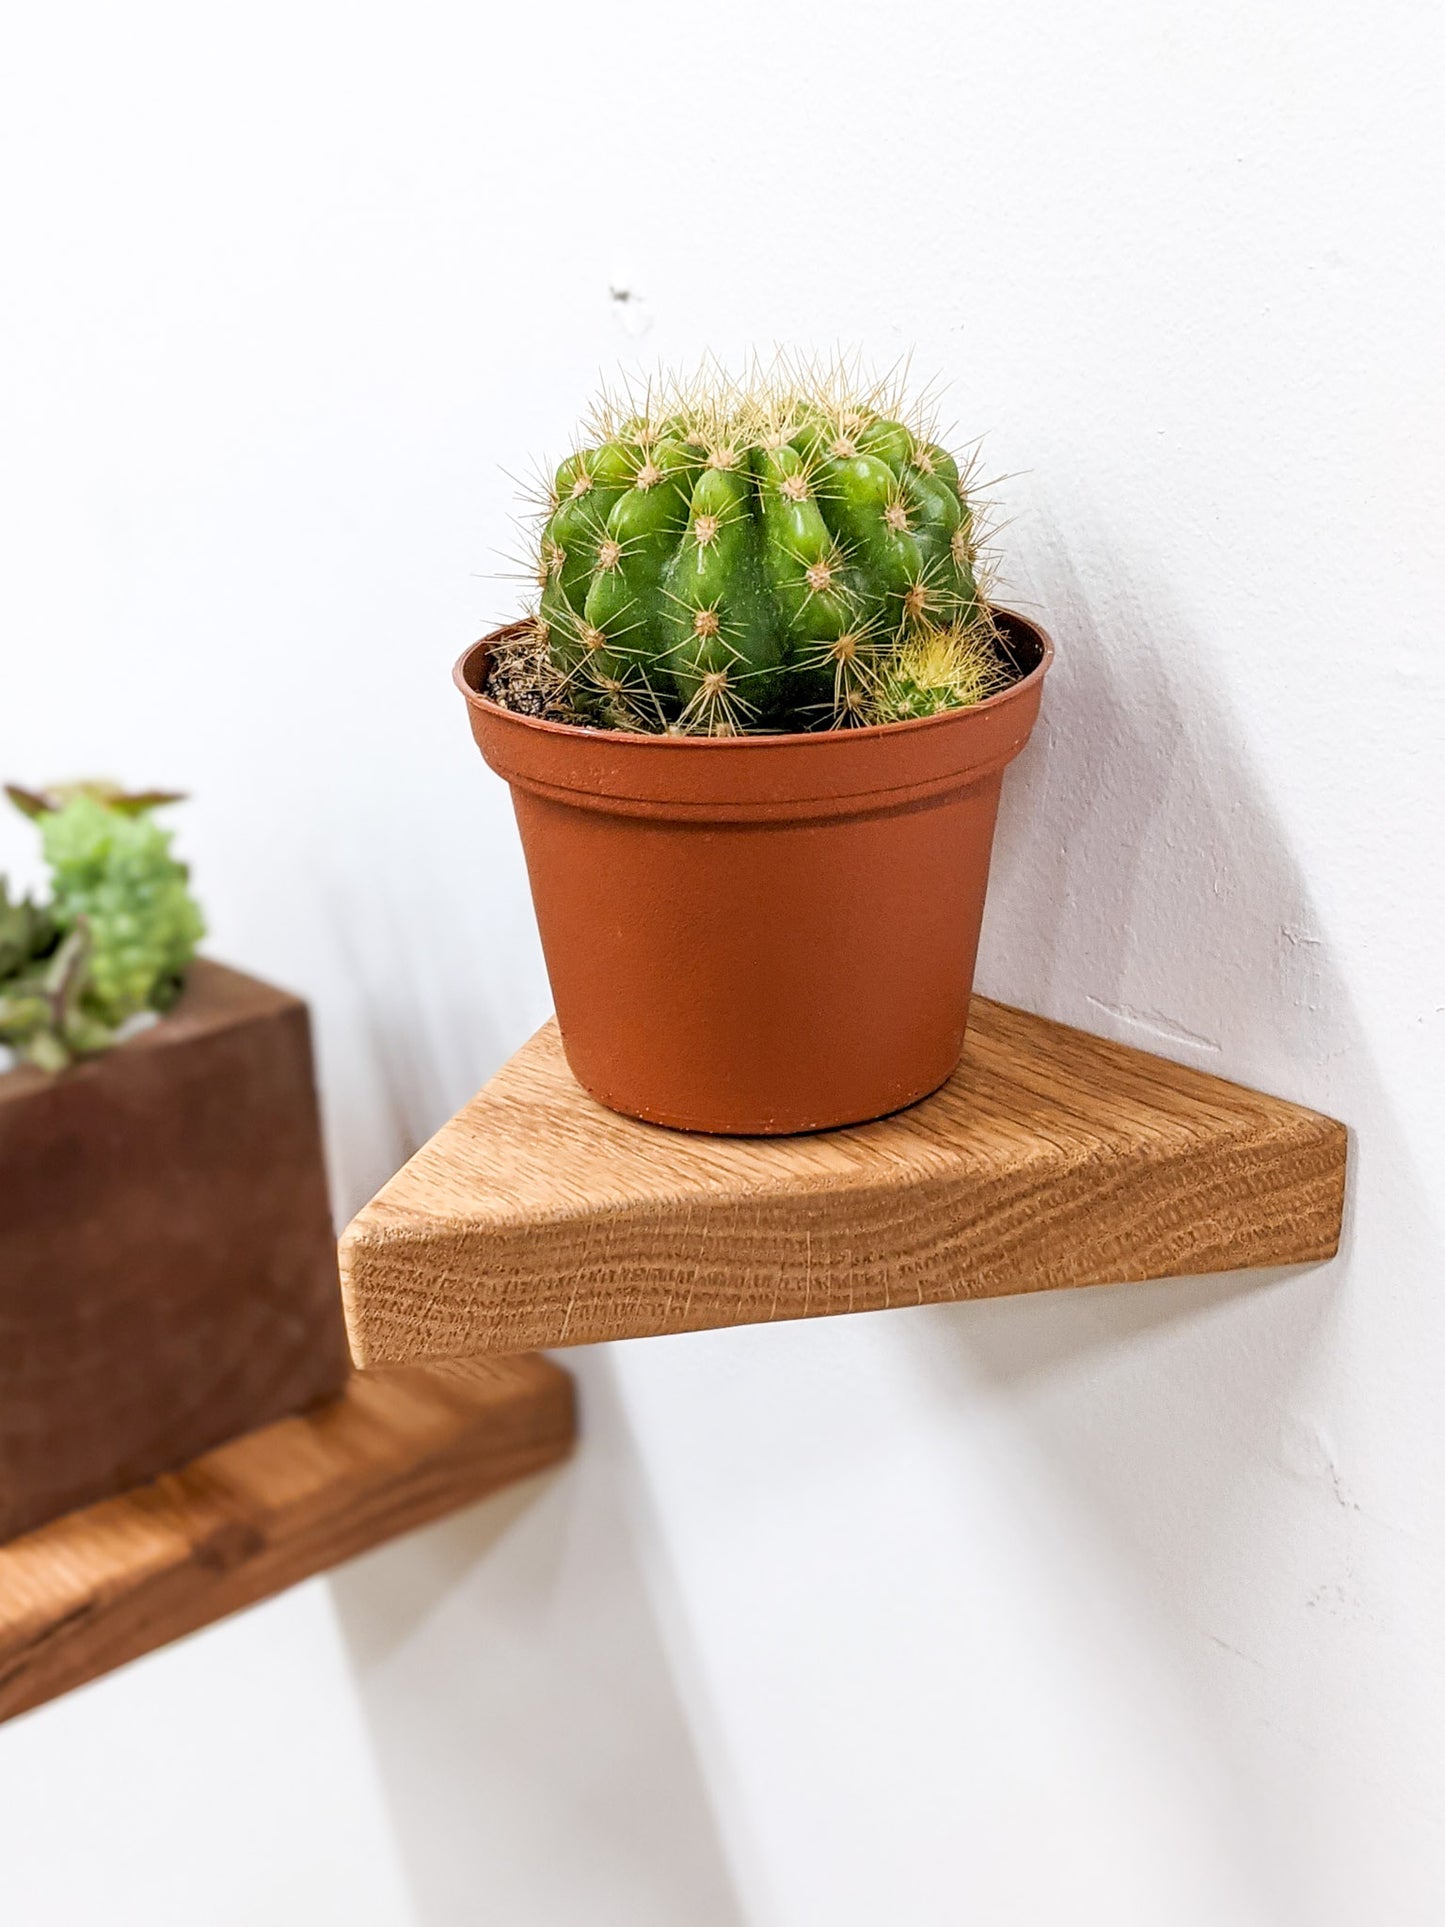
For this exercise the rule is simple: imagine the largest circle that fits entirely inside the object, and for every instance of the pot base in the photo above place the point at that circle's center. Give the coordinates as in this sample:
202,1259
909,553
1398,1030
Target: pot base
790,1123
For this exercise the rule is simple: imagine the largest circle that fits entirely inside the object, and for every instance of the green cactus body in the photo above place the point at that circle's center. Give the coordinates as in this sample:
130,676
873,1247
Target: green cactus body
750,559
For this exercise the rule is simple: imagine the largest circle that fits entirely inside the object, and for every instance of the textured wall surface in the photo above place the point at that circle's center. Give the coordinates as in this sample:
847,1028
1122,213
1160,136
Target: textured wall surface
1121,1607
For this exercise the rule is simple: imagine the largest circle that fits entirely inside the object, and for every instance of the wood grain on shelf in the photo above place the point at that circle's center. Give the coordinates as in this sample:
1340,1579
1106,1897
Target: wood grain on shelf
101,1586
1051,1158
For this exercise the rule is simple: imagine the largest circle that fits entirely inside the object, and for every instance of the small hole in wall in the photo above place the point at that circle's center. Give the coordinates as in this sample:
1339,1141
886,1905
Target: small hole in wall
630,307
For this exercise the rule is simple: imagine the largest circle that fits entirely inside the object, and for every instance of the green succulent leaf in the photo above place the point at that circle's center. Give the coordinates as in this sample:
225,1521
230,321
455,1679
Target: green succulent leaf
27,932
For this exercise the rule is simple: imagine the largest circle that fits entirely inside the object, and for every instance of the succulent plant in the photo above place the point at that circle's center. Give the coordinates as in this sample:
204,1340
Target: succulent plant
43,1008
117,936
734,556
113,867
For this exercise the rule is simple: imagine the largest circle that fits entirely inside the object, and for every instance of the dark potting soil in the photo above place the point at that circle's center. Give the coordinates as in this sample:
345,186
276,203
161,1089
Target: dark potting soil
520,678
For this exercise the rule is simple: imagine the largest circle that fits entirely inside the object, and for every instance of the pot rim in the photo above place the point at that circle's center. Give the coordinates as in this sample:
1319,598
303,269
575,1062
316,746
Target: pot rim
581,732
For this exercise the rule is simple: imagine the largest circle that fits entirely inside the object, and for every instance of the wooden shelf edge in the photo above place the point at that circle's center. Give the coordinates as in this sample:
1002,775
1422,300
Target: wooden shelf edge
1053,1159
103,1586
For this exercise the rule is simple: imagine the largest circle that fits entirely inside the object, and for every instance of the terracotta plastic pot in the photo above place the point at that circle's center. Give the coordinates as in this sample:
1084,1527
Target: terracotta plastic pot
761,934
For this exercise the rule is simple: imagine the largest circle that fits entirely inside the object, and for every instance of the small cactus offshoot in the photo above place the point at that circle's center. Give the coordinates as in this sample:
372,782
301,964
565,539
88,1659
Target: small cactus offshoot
720,557
117,936
937,669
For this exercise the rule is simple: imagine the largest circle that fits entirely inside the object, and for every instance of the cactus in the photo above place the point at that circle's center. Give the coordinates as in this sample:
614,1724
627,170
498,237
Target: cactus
937,669
731,556
116,938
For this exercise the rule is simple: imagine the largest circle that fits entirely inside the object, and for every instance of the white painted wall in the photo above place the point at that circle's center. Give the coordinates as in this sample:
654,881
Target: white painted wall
1116,1607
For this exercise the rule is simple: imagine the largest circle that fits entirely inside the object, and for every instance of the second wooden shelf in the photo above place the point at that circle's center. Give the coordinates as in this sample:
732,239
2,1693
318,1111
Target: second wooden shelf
102,1585
1051,1158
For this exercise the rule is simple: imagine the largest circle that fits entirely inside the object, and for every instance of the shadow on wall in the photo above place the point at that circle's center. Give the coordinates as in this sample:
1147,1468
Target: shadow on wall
1217,1439
534,1754
1141,885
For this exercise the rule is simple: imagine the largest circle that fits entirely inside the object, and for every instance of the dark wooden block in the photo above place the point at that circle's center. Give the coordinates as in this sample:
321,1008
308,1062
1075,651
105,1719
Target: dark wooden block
167,1263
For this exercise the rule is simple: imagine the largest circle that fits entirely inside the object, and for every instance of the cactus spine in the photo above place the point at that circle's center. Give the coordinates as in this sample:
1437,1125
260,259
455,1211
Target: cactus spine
937,669
730,556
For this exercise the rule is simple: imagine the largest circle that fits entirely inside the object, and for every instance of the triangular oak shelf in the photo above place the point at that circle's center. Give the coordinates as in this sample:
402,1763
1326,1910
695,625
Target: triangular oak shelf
1051,1158
101,1586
